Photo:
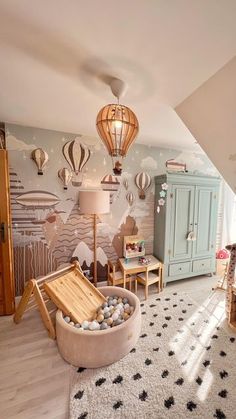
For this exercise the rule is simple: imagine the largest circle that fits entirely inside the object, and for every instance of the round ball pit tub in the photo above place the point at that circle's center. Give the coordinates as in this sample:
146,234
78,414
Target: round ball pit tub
87,349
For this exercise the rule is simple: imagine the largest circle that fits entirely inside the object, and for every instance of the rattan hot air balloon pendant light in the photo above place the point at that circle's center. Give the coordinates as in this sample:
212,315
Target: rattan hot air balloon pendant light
117,126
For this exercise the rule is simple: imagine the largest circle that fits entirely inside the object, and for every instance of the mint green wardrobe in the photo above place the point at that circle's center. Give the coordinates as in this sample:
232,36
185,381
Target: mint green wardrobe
191,205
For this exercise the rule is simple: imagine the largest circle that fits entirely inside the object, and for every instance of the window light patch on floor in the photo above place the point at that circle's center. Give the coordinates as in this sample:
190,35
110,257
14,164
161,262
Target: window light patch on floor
206,385
193,337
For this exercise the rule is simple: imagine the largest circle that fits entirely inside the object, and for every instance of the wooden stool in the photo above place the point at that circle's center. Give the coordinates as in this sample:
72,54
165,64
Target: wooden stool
115,276
151,276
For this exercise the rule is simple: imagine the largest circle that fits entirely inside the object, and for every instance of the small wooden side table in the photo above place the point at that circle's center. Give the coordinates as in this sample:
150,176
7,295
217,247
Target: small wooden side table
132,267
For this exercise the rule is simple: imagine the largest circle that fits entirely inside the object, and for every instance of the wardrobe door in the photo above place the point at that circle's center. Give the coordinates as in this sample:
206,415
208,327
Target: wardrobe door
205,215
182,210
7,289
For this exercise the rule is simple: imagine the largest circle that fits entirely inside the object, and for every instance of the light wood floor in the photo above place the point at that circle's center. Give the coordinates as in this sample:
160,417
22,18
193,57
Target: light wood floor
34,380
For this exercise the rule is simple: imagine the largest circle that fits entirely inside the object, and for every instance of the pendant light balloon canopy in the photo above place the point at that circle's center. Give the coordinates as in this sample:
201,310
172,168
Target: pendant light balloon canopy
118,127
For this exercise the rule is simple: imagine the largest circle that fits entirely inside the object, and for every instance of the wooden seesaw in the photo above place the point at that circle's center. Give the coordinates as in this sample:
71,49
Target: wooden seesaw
68,289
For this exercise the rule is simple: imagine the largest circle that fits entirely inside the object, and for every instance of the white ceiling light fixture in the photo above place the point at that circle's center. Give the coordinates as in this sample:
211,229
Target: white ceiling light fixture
117,126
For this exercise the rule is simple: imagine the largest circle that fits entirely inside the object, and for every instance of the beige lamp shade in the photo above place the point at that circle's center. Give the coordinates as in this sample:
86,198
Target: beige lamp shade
94,202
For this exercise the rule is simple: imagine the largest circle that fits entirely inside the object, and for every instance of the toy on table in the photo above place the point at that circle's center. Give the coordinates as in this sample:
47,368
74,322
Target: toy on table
133,246
144,260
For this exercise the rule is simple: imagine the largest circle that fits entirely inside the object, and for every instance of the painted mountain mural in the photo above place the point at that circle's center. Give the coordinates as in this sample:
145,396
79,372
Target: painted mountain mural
48,229
79,229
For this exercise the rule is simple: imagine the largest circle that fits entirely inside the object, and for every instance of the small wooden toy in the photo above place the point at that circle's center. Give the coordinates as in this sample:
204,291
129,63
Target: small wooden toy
144,260
133,246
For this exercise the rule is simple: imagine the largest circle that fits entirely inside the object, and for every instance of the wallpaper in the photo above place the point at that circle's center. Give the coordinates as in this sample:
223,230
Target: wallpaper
48,229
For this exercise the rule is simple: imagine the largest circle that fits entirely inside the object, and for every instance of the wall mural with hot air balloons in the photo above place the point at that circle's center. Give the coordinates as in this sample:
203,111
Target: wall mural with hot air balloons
143,182
65,175
48,229
110,183
40,157
77,155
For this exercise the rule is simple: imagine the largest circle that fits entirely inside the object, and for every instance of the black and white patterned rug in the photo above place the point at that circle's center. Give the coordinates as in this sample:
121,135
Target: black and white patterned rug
183,366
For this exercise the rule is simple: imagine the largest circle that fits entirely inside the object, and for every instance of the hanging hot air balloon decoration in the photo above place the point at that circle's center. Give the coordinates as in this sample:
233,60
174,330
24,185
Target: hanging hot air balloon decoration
142,181
126,184
65,175
130,198
110,183
77,155
40,158
117,126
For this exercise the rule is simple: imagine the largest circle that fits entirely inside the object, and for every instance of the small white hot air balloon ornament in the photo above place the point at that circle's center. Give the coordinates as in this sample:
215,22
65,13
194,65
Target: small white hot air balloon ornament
126,184
65,175
110,183
142,181
77,155
130,198
40,158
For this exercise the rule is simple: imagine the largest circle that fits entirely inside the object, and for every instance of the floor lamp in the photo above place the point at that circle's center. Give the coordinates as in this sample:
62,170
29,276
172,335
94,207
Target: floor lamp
94,202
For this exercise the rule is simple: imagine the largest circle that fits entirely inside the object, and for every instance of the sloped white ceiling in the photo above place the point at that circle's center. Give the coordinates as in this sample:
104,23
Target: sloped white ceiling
57,57
210,115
